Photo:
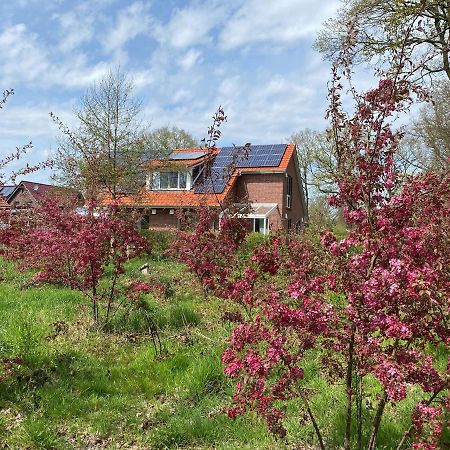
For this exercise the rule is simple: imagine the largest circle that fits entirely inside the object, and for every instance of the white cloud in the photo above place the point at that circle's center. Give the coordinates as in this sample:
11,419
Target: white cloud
25,59
191,26
22,57
130,22
31,122
279,22
269,109
75,72
189,59
75,32
141,78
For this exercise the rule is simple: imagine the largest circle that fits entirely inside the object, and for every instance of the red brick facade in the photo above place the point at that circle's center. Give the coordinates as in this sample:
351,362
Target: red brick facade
162,219
264,187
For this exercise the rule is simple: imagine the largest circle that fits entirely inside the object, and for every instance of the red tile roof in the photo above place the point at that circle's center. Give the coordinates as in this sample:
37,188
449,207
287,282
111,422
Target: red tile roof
3,203
182,198
168,163
38,191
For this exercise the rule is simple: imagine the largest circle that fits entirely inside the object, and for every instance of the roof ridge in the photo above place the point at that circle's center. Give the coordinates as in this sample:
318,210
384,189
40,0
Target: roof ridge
36,182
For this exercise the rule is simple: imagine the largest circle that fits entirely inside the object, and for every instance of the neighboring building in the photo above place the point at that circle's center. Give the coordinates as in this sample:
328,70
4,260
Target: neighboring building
266,178
5,192
3,203
28,194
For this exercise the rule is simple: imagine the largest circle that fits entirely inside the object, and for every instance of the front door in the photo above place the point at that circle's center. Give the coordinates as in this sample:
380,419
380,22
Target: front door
258,226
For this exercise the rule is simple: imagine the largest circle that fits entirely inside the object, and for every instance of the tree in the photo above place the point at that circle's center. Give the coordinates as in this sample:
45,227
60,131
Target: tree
432,128
323,216
316,162
83,251
104,153
162,141
426,145
370,306
379,28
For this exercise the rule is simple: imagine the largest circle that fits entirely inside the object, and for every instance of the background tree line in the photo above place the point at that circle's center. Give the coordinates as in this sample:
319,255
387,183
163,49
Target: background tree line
106,152
377,29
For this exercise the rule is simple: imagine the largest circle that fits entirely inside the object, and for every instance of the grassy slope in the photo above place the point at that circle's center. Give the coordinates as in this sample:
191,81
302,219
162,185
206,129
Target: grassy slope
81,388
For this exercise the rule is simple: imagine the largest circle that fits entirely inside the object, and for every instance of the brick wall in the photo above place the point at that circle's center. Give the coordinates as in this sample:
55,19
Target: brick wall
272,188
162,219
21,199
297,213
260,188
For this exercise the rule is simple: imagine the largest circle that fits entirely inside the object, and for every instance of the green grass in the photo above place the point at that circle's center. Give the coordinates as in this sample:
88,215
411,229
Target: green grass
80,388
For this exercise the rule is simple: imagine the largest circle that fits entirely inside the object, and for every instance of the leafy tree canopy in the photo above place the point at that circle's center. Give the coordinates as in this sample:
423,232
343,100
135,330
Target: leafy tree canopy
379,29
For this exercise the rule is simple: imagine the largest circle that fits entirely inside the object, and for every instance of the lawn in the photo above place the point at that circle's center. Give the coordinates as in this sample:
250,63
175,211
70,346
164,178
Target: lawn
79,387
82,388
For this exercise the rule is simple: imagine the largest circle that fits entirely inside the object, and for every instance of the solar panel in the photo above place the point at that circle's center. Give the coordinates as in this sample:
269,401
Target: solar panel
258,156
6,191
186,155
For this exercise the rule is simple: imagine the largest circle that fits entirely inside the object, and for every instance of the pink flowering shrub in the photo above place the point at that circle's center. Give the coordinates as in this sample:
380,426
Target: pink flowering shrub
374,304
210,255
77,250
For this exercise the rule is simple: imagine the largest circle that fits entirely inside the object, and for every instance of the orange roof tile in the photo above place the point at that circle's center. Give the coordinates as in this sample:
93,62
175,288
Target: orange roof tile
172,199
181,198
168,163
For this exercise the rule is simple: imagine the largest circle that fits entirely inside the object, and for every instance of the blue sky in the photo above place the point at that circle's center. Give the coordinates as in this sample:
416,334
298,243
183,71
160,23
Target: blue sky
254,57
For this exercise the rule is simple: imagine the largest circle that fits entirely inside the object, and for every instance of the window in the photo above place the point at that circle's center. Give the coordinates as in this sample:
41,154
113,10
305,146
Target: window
259,225
169,180
289,192
182,177
196,171
289,224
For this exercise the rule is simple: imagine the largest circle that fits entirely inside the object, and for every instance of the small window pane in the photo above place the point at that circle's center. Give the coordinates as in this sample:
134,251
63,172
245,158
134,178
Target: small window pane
182,180
289,185
173,180
195,172
155,180
164,180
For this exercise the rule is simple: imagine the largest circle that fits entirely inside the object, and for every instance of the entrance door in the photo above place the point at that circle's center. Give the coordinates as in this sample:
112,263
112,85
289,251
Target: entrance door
258,225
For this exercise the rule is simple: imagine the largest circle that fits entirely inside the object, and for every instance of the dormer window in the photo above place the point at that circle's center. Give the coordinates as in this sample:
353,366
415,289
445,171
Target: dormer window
169,180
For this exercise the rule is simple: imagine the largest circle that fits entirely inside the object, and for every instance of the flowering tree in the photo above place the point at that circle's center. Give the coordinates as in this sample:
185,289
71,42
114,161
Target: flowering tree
374,305
76,249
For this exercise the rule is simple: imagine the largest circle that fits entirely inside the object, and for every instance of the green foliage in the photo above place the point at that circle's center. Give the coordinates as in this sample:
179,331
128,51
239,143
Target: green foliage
251,242
162,141
160,241
380,28
80,387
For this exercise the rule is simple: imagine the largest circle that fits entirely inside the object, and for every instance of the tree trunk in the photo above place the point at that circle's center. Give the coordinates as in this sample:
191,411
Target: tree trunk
348,416
376,423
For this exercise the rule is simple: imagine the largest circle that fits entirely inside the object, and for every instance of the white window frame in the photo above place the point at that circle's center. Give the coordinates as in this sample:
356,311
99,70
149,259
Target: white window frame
154,181
288,192
265,228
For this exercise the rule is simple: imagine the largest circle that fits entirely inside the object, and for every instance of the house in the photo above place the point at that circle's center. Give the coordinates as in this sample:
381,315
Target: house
5,192
29,194
262,176
3,203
